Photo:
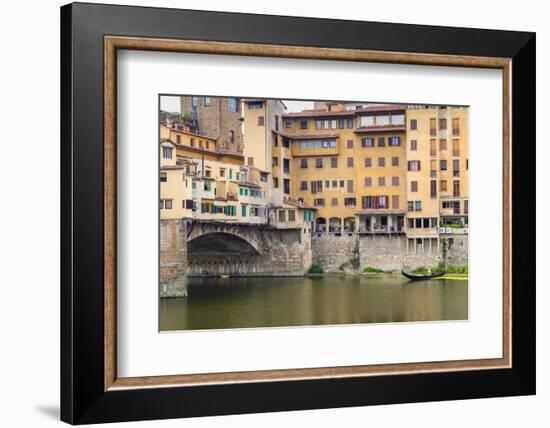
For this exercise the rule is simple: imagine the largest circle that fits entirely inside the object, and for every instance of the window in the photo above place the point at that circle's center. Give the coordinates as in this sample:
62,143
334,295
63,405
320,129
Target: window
303,185
368,162
443,185
334,162
178,139
319,163
350,123
232,136
233,105
456,147
413,125
395,181
275,162
286,185
413,145
318,124
243,210
303,163
282,216
342,183
413,165
222,173
381,181
320,202
341,123
368,181
456,126
207,145
207,101
261,120
433,151
456,188
250,161
410,206
456,168
366,121
276,123
167,152
334,202
374,202
291,215
395,202
382,120
394,141
442,124
350,186
350,144
192,143
443,165
442,144
395,161
350,202
466,206
288,124
433,167
433,189
275,182
418,205
303,124
398,119
255,105
286,142
381,141
433,130
316,186
333,124
326,124
381,161
286,166
466,164
335,183
350,162
168,204
201,146
414,186
163,177
367,142
194,102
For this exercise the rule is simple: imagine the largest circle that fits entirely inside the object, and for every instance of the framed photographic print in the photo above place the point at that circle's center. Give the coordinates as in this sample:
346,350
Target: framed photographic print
265,213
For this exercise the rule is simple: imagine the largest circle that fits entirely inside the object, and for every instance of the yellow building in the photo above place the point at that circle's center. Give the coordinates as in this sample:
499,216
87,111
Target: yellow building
437,173
349,164
368,169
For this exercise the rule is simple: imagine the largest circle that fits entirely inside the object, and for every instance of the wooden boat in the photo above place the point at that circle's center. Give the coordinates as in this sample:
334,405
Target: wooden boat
421,276
224,276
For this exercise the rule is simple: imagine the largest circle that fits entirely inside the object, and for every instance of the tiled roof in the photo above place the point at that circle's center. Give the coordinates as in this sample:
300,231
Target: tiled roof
383,108
299,204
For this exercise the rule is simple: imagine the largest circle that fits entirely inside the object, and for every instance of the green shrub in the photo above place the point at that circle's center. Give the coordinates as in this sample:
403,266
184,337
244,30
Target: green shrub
316,269
370,269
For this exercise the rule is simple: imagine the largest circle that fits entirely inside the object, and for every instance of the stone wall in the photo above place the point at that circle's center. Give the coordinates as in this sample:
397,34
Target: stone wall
384,252
391,253
173,258
332,251
217,121
458,250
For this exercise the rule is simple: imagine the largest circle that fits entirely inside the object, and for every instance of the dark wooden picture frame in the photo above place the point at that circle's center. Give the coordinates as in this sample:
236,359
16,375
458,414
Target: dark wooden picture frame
90,37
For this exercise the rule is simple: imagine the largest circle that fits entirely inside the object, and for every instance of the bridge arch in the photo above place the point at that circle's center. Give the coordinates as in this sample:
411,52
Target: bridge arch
223,244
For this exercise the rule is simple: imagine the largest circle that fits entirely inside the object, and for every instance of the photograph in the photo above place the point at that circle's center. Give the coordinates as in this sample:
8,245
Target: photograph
288,212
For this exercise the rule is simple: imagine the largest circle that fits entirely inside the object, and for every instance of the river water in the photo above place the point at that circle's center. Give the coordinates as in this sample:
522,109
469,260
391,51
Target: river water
245,302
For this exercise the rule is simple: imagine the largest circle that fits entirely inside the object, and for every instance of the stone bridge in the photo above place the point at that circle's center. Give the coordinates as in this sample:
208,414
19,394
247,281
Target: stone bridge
201,248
